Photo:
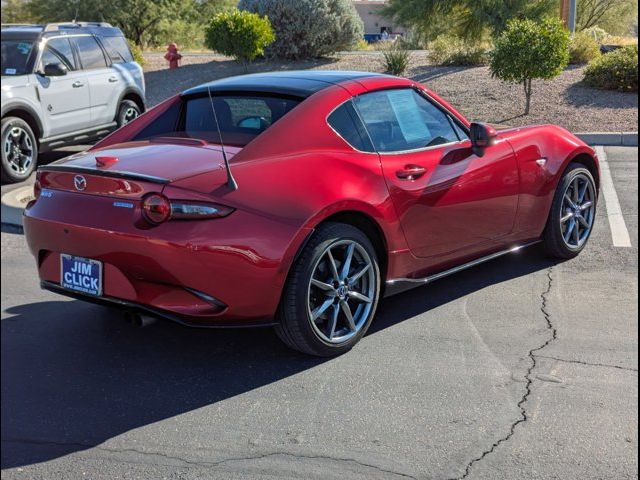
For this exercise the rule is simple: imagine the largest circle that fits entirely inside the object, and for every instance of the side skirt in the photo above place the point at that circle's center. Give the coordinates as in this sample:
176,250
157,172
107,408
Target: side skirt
398,285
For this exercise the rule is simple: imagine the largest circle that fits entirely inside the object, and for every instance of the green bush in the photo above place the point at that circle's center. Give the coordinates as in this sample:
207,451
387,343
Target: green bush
597,33
450,50
136,51
396,60
309,28
617,70
529,50
583,48
241,35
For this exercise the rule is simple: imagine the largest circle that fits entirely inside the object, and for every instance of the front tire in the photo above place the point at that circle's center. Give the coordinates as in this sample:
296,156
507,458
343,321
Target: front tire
572,214
19,149
332,292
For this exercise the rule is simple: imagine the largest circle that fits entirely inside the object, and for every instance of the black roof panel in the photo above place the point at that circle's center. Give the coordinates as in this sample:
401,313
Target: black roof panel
296,83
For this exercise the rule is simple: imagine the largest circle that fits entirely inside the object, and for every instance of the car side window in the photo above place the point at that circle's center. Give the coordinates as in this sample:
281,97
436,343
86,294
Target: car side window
344,120
91,55
58,50
401,119
117,49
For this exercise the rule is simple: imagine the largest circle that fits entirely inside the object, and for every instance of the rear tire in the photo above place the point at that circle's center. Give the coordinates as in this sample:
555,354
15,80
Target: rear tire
127,112
325,310
572,214
19,149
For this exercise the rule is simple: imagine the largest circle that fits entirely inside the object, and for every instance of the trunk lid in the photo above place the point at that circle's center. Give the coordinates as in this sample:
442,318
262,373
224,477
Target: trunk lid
132,169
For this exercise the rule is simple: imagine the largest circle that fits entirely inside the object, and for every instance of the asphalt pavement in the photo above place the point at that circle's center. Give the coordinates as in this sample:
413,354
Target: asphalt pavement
520,368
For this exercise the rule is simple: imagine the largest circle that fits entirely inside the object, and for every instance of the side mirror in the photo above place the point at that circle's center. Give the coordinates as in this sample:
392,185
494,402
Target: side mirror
482,137
54,70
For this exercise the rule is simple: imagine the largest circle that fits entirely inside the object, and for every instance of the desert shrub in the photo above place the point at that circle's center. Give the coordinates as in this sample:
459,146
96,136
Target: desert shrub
583,48
309,28
450,50
529,50
597,33
241,35
363,45
396,59
617,70
136,51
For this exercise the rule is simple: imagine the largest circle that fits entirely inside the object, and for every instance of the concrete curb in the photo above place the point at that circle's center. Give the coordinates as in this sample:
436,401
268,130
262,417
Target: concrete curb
610,139
13,203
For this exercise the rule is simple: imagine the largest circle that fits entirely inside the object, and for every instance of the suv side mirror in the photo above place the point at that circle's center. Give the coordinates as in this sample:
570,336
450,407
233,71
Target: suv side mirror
482,137
54,70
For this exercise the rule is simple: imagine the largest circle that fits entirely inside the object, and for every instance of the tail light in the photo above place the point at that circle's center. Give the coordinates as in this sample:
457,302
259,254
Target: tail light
37,189
157,209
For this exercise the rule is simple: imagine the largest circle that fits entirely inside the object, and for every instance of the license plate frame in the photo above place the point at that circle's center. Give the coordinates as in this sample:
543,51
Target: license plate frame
87,278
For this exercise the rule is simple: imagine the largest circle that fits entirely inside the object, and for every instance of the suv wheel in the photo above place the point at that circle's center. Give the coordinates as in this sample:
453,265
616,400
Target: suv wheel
19,149
128,111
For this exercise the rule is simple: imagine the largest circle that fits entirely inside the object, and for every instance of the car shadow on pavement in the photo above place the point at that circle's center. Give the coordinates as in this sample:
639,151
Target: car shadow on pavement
75,375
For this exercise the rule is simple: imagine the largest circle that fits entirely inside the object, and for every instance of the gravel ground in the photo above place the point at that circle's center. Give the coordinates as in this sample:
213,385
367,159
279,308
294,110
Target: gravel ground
563,101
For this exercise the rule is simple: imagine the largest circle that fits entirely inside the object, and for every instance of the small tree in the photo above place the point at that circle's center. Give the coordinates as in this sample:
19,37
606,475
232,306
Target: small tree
241,35
527,50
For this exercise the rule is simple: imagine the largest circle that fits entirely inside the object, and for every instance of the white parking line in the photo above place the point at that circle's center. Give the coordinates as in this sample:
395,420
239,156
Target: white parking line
619,232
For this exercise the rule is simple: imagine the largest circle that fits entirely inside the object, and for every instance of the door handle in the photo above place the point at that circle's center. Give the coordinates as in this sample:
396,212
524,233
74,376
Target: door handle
77,84
411,172
113,79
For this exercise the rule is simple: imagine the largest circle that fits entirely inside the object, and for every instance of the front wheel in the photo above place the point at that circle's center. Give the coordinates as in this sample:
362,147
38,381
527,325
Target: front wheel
19,149
573,213
332,292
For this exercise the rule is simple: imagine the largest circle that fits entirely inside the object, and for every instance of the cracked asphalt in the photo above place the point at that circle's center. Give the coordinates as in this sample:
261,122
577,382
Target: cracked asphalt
519,368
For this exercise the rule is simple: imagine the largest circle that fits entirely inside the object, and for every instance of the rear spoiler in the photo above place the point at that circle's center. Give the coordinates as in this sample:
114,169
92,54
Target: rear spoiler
105,173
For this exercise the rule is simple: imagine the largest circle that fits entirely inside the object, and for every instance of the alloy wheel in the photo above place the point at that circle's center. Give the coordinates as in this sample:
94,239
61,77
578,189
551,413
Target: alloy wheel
18,150
578,211
130,114
341,291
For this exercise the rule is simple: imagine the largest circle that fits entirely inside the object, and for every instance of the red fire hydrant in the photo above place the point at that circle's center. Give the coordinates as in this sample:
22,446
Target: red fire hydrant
172,56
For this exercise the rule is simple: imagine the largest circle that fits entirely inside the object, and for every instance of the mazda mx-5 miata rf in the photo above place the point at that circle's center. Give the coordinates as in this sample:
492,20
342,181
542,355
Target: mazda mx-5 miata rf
299,199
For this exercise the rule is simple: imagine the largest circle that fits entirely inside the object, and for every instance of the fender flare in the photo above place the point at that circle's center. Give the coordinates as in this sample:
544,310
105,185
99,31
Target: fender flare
134,91
29,110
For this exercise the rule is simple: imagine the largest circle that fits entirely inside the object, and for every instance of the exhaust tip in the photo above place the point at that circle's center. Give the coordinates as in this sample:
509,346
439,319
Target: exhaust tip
138,320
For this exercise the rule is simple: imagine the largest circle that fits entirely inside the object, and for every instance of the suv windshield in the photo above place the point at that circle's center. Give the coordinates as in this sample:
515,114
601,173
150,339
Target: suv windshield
16,56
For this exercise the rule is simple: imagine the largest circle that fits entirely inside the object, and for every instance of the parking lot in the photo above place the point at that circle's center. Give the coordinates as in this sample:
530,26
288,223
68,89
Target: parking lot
519,368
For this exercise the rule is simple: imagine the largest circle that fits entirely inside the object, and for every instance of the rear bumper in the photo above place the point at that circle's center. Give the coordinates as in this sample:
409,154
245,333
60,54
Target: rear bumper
146,309
220,273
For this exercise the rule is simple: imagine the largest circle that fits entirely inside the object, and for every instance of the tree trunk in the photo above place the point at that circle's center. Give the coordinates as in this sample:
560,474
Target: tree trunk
527,93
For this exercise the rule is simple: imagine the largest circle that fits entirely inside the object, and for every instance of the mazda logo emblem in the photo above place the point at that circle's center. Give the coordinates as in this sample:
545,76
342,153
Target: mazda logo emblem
79,182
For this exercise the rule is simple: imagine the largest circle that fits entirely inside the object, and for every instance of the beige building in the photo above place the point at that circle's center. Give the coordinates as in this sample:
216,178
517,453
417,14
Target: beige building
369,11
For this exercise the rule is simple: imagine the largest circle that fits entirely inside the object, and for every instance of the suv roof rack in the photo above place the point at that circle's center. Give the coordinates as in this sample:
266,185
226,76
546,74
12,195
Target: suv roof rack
49,27
53,27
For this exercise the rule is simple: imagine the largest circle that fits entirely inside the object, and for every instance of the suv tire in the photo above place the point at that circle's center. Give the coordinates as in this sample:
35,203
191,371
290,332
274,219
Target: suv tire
19,149
127,111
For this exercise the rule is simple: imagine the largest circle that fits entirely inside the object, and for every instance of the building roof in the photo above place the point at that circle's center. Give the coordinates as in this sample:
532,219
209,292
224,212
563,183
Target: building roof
294,83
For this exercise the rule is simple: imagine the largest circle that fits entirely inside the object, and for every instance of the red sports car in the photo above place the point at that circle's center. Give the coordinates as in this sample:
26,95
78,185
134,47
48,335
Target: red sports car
298,200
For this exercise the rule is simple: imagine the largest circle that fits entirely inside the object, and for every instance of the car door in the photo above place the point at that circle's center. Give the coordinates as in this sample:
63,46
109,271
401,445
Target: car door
449,200
65,99
104,82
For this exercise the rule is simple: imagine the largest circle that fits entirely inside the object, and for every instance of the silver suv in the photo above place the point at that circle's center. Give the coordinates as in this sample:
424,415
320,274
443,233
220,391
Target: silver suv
63,84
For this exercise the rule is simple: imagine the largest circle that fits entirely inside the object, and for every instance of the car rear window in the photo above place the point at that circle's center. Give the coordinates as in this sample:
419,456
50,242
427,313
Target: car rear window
91,55
242,118
117,49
